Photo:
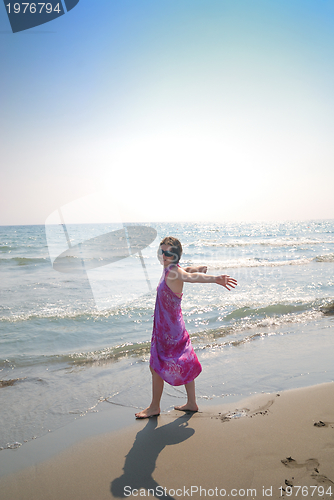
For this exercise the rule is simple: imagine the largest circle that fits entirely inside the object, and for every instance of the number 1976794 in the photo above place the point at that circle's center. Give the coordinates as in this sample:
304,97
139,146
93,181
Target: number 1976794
306,491
33,8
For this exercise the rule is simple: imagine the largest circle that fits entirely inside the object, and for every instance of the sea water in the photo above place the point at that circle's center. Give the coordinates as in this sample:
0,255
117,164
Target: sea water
66,346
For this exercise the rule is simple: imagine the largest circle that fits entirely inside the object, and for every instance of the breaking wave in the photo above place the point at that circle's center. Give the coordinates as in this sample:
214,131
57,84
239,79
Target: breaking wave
24,261
233,332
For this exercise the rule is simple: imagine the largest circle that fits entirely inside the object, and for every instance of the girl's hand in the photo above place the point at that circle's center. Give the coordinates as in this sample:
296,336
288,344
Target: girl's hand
202,269
226,281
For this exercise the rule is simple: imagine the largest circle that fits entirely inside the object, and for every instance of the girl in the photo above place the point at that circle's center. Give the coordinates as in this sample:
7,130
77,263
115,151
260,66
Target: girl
172,357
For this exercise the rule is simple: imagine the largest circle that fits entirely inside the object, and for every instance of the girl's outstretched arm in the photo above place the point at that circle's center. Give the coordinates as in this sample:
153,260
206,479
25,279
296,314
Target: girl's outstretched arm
196,269
200,277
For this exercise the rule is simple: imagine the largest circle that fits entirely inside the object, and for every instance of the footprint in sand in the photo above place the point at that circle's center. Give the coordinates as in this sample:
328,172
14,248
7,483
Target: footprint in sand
246,412
322,479
311,464
324,424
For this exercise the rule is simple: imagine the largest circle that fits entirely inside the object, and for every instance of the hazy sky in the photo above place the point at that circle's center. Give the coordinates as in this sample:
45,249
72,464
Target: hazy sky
179,109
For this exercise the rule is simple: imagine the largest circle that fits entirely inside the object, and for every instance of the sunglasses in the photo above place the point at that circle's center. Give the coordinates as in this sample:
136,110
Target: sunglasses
166,253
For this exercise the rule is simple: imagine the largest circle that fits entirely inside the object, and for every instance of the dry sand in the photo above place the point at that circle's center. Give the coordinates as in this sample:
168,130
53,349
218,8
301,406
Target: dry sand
253,450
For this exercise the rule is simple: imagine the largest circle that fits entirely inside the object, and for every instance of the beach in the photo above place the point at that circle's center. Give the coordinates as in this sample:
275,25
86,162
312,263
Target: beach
74,367
269,445
65,346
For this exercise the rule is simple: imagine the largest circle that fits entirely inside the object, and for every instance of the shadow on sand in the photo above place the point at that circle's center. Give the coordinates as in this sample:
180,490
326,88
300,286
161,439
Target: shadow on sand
140,461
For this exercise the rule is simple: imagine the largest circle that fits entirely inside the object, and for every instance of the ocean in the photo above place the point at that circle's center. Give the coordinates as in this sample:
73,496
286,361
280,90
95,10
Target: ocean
72,337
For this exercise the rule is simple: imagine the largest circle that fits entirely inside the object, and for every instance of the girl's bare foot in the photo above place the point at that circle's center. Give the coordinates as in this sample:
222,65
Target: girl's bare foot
148,412
187,407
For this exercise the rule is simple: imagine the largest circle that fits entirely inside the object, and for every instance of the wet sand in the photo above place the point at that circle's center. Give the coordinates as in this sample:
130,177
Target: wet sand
264,446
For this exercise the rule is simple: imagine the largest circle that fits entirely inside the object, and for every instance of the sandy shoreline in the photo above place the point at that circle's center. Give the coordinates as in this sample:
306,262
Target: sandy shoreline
253,449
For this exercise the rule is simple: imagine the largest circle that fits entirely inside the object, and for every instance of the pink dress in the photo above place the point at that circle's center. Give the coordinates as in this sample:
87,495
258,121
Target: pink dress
172,355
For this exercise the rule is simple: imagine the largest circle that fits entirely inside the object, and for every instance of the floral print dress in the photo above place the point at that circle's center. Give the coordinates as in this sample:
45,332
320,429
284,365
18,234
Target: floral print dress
172,355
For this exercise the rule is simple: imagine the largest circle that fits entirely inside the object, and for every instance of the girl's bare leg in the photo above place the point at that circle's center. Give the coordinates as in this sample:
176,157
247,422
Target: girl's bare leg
157,388
191,404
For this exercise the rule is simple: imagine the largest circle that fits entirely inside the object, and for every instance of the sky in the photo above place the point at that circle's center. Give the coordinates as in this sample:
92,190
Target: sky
174,110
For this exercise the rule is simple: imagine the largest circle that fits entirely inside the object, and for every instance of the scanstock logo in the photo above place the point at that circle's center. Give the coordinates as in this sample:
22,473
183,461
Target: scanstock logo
25,15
